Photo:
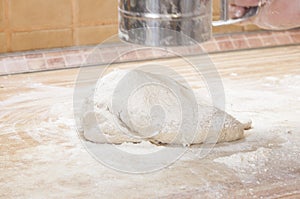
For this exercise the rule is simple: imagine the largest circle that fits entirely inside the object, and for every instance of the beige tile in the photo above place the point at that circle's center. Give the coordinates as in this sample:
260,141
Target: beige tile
225,45
145,53
227,29
128,56
2,68
2,42
215,17
269,41
210,46
251,27
95,57
55,63
240,43
95,35
98,11
74,60
255,42
36,64
2,13
216,7
16,66
40,13
295,37
41,39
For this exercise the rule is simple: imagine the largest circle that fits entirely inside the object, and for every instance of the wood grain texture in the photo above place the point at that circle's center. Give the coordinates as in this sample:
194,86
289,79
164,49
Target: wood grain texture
41,154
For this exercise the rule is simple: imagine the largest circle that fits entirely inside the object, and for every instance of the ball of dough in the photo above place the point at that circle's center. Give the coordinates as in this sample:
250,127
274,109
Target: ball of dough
133,106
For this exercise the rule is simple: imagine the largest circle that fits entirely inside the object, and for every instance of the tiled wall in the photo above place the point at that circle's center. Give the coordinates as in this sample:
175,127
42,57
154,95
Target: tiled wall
36,24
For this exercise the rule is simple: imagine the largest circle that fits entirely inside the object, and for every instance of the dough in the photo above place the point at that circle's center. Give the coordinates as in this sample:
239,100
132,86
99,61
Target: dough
136,106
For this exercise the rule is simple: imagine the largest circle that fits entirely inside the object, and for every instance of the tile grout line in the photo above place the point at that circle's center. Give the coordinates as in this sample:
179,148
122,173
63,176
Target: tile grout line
84,56
289,36
233,44
275,38
230,41
216,43
7,25
65,61
247,41
80,53
101,56
260,38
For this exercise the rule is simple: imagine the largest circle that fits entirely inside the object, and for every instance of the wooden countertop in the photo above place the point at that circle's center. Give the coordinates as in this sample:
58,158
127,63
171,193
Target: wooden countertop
41,153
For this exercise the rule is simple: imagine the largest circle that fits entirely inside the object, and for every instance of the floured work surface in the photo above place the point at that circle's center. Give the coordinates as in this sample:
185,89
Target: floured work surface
41,153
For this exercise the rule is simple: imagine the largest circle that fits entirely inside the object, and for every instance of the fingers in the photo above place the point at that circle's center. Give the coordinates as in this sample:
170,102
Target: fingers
236,12
238,8
245,3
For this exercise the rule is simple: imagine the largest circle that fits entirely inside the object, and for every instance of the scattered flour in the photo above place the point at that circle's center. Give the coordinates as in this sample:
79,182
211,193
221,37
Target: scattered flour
141,148
246,160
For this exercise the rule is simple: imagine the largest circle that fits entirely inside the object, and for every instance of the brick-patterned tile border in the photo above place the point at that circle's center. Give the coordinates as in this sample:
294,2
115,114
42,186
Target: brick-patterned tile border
33,61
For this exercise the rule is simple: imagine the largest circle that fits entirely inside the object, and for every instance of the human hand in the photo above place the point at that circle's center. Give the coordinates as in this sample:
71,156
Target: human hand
274,14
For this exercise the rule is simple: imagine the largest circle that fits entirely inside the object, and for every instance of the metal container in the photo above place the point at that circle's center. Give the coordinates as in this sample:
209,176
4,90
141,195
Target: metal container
165,22
172,22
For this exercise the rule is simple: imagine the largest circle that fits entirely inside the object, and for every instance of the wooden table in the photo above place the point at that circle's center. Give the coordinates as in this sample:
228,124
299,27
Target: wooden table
41,154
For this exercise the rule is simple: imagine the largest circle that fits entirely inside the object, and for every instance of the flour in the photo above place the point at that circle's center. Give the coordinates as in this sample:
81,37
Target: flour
247,160
140,148
136,106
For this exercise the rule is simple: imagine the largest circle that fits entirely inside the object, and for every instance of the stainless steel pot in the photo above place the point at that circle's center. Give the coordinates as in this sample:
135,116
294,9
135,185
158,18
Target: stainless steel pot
170,22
